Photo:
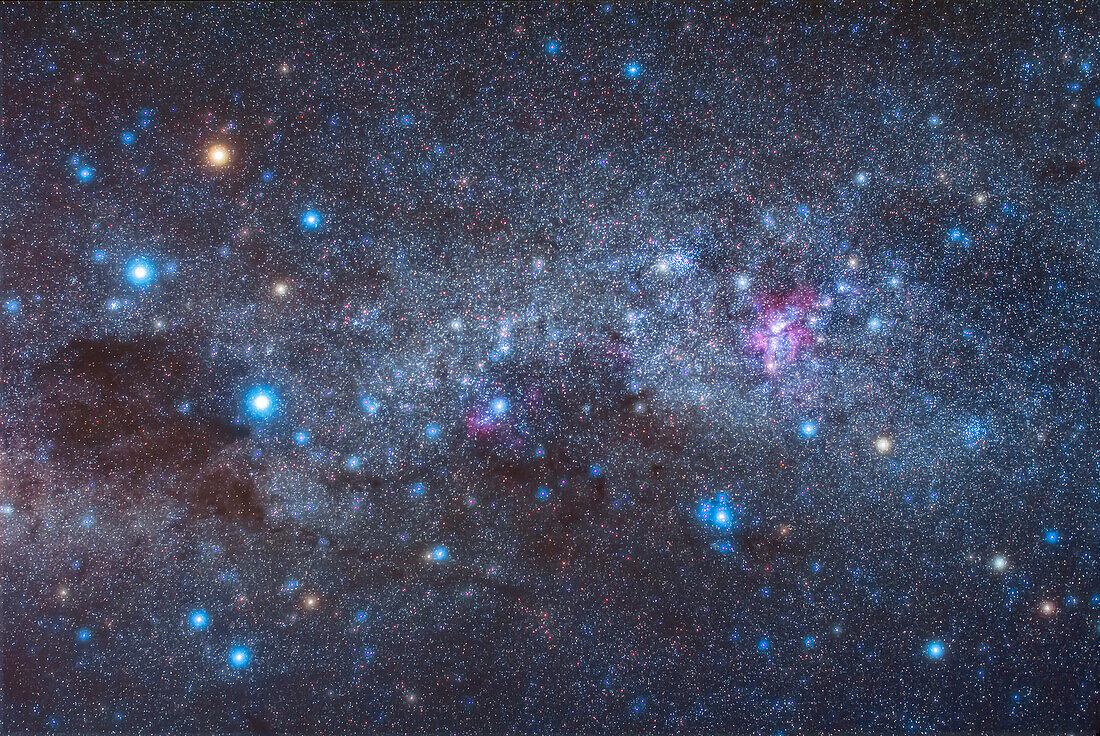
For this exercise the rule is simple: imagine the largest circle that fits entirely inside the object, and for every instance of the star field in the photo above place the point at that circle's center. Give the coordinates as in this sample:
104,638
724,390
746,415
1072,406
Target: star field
550,369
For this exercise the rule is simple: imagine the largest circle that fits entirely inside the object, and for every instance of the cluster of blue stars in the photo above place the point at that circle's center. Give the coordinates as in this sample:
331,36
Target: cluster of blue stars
717,514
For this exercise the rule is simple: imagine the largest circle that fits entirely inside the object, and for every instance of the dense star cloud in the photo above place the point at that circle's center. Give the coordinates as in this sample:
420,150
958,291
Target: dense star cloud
531,368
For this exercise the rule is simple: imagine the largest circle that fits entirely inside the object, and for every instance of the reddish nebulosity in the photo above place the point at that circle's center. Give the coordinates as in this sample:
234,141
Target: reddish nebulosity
482,424
783,327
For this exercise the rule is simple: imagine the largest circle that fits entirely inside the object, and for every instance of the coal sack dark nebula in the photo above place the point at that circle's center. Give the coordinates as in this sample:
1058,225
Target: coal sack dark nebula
670,368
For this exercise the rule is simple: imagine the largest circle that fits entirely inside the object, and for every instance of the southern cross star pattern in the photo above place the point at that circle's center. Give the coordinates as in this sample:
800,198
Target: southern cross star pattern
550,369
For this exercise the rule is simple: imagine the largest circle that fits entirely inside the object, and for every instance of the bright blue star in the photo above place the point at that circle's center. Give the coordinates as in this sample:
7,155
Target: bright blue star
717,513
1052,536
311,220
432,430
140,272
12,305
84,634
198,620
418,489
934,649
499,406
544,493
440,553
809,641
808,428
261,402
632,70
127,138
552,47
239,657
85,173
763,645
370,406
352,463
301,437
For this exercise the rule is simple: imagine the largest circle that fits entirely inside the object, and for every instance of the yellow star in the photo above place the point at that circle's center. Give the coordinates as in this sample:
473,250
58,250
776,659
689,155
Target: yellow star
218,155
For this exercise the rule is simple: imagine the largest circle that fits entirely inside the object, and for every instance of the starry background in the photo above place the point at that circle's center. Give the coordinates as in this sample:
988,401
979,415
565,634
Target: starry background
550,368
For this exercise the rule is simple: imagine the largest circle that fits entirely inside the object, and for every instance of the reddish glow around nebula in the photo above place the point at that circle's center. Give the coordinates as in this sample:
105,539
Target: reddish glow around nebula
783,327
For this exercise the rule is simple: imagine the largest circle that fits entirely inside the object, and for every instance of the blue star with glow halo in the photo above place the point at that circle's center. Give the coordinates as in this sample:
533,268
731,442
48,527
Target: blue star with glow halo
239,657
261,402
140,272
311,220
198,620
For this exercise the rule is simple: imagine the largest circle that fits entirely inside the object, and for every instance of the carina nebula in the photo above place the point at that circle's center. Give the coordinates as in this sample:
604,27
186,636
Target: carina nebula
482,368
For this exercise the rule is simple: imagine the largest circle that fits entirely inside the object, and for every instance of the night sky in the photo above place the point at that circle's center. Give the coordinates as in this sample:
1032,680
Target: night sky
550,369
